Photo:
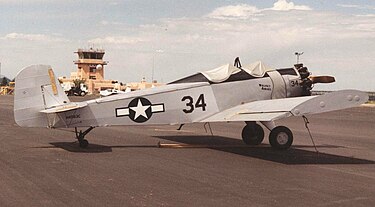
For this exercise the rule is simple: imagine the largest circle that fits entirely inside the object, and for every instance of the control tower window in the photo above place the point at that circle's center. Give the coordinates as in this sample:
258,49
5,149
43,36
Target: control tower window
92,69
90,55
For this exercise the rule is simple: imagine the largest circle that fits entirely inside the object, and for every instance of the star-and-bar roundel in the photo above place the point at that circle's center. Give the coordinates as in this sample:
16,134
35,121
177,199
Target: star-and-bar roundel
140,110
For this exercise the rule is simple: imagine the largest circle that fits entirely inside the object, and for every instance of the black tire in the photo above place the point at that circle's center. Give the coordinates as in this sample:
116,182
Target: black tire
252,134
281,138
83,143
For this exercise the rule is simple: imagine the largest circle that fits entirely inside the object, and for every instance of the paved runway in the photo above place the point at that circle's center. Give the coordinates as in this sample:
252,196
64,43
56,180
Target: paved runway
124,167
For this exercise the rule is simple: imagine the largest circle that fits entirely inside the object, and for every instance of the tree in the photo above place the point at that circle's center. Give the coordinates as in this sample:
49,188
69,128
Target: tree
77,82
4,82
77,90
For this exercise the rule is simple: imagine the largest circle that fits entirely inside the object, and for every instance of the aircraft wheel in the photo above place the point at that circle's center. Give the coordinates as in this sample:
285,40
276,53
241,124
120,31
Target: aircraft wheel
252,134
83,143
281,138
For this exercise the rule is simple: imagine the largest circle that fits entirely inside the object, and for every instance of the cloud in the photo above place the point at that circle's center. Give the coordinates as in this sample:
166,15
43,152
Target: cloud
117,40
356,6
30,2
106,23
349,5
196,44
365,15
241,11
284,5
32,37
245,11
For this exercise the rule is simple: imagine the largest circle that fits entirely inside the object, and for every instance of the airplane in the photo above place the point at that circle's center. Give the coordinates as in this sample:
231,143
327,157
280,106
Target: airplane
255,94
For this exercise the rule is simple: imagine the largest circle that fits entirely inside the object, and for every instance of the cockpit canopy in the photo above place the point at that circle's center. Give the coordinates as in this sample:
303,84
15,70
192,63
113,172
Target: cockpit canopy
222,73
229,72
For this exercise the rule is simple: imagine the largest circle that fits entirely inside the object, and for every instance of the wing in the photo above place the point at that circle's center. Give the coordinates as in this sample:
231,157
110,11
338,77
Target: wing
270,110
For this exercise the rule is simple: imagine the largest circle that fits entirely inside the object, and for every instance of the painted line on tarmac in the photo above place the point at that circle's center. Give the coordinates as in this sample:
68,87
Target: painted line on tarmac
173,130
177,145
48,147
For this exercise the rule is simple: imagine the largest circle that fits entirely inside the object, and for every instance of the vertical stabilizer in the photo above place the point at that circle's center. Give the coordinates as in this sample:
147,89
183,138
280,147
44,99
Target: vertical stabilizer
36,89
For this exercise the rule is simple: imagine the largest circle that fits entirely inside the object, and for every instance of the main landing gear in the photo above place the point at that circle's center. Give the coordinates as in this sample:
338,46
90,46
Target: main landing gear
252,134
83,143
280,137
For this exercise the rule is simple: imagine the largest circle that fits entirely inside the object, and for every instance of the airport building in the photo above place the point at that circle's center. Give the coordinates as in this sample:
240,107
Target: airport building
90,64
90,68
6,86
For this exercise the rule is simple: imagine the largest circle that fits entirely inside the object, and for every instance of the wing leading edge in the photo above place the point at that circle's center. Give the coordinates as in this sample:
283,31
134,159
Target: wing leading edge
270,110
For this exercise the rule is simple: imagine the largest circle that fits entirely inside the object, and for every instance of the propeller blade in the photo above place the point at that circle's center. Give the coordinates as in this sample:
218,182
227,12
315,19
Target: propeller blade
322,79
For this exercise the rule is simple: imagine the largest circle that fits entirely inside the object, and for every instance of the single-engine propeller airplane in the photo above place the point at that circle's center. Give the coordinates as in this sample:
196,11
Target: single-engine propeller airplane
252,93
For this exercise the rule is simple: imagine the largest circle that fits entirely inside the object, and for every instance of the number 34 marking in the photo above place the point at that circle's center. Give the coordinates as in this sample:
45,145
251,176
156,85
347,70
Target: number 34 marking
190,103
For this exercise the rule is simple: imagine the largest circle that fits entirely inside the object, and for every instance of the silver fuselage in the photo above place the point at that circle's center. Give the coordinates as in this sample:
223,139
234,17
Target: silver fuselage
177,103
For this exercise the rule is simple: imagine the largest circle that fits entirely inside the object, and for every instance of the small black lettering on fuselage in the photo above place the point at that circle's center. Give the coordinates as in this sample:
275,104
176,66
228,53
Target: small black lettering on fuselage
265,87
73,116
294,83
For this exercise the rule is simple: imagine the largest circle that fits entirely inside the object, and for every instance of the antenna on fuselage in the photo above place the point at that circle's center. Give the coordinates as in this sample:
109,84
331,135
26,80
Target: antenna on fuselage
237,62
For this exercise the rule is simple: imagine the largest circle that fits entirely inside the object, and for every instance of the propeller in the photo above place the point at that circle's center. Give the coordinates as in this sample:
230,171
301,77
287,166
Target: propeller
322,79
307,80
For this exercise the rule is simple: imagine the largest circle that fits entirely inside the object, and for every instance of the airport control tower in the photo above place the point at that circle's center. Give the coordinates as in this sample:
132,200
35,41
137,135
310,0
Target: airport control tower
90,64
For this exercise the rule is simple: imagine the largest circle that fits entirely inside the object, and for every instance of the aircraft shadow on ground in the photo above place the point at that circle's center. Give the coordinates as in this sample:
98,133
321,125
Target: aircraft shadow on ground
293,156
92,148
74,147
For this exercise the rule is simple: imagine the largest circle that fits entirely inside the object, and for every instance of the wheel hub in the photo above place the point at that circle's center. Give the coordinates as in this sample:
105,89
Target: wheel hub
282,138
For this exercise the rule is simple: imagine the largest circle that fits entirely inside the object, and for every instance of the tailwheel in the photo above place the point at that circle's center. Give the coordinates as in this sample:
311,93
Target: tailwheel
281,138
252,134
83,143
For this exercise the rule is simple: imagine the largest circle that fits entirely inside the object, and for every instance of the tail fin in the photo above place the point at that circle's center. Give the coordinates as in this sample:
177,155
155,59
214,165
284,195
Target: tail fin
36,89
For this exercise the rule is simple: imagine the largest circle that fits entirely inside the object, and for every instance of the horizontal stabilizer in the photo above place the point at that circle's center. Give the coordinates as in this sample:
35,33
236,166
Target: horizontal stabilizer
66,107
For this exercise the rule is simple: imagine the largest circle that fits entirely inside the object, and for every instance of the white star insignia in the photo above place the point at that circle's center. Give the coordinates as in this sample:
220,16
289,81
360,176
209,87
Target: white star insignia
140,110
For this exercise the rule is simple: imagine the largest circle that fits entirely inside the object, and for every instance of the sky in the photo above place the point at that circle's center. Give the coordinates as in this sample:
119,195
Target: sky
177,38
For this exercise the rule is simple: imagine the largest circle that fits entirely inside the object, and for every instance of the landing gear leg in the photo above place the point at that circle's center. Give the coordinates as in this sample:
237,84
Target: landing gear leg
269,124
83,143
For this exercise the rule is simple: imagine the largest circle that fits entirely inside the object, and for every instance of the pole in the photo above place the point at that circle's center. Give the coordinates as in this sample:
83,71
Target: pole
153,68
298,54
